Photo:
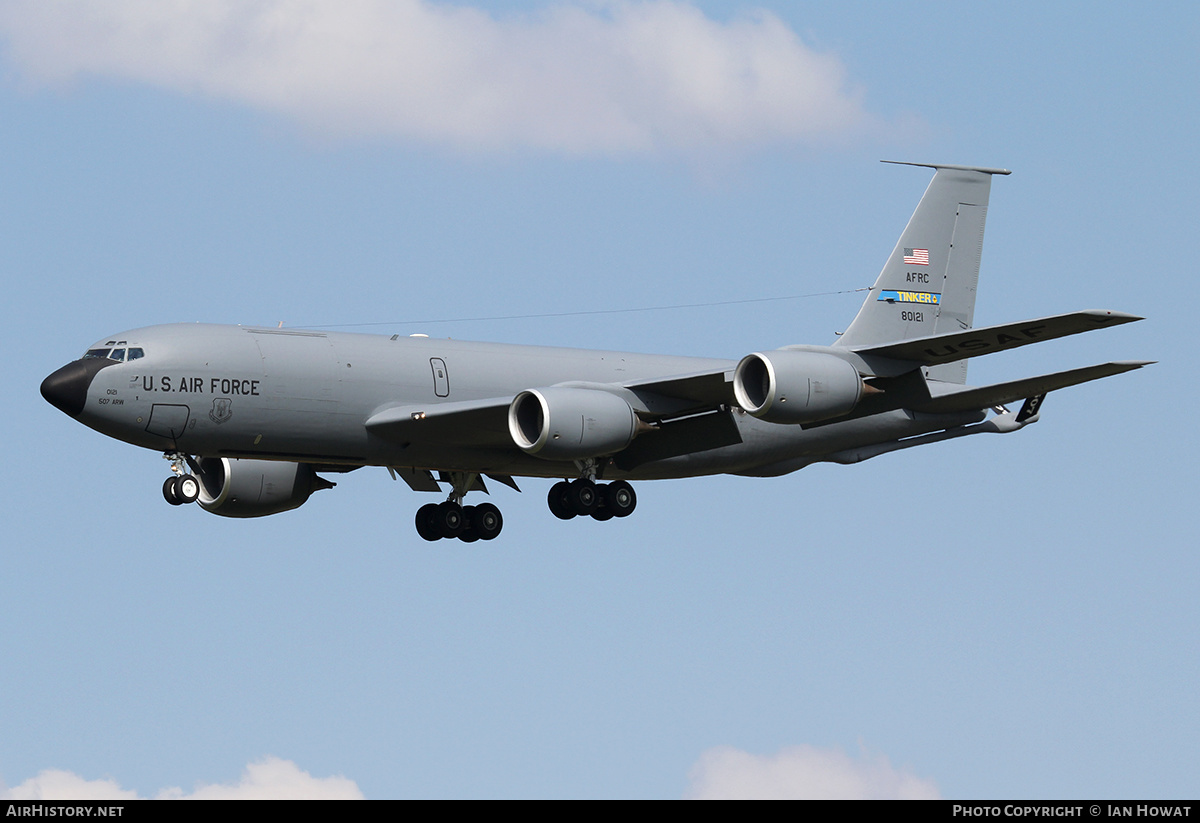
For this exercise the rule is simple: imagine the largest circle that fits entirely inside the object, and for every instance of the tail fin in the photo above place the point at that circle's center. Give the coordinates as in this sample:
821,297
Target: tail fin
928,284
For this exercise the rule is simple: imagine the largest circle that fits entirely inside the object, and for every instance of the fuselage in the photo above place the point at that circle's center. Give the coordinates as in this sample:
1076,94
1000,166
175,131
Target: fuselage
304,396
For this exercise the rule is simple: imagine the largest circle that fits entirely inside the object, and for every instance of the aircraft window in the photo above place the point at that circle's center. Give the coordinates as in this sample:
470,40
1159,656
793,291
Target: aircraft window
113,354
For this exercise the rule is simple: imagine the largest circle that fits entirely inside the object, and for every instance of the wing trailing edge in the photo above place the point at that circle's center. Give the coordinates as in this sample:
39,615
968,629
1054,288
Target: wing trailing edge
962,400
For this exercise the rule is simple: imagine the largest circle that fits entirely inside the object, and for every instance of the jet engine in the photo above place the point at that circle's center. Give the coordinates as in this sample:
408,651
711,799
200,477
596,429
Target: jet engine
563,423
796,386
254,488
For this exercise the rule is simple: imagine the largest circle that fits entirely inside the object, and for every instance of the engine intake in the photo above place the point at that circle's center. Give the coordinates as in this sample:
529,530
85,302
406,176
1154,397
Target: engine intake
563,423
255,488
796,386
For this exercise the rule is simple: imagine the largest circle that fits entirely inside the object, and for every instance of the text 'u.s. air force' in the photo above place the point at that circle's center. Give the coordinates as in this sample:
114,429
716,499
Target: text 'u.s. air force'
201,385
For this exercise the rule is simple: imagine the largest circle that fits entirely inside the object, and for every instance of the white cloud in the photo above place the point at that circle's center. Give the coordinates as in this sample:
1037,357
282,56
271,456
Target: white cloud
54,784
802,773
611,77
269,779
273,778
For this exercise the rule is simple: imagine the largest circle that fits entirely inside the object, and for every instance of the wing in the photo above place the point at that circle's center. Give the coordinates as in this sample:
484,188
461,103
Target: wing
1001,393
912,391
683,395
462,423
485,422
948,348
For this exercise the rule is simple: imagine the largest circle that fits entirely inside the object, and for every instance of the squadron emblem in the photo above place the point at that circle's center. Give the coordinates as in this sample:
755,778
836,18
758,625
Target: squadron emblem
222,410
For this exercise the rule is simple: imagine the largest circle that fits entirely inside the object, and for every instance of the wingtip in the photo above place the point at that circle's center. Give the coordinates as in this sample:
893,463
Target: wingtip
1114,316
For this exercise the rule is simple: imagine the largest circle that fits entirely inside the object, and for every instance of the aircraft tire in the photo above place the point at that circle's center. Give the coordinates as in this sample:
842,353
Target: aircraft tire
187,488
425,524
583,497
171,491
557,500
603,514
620,498
487,521
469,535
449,519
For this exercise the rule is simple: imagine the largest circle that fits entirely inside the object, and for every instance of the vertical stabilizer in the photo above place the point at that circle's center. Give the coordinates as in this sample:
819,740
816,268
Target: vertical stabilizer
928,284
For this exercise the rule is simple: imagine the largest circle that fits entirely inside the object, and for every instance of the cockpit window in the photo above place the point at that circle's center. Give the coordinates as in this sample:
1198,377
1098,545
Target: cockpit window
119,355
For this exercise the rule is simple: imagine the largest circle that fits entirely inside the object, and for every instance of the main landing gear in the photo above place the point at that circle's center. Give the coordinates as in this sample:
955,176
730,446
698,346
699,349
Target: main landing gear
180,487
451,519
579,498
584,497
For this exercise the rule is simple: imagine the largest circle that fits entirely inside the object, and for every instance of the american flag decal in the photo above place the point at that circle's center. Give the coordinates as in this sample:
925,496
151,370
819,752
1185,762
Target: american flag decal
916,257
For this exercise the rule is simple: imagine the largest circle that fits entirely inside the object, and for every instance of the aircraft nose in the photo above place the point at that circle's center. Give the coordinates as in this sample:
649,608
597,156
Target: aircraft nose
67,388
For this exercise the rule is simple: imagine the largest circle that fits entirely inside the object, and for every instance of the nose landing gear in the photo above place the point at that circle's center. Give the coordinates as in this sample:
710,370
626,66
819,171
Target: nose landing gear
180,487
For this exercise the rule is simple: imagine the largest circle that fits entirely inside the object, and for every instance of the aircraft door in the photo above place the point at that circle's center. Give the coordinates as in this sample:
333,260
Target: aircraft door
441,377
168,420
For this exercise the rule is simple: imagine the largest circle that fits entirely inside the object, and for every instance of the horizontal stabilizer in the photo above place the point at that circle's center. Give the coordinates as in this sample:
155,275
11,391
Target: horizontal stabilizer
948,348
1001,393
980,169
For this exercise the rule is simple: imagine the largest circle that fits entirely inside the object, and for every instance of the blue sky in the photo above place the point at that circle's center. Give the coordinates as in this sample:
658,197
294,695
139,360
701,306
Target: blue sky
989,617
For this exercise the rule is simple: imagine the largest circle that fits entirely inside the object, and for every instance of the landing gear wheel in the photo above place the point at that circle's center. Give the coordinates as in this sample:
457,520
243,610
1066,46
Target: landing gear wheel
620,498
469,535
603,514
487,521
187,488
171,491
449,519
557,500
425,523
583,497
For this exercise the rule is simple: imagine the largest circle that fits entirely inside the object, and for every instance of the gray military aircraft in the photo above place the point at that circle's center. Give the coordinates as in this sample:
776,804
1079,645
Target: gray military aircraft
249,417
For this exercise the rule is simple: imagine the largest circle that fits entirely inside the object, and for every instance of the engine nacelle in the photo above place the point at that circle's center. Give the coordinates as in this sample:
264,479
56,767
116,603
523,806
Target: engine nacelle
796,386
563,423
254,488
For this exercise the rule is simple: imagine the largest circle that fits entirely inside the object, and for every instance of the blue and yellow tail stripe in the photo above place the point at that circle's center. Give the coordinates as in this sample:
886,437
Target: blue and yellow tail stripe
933,298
